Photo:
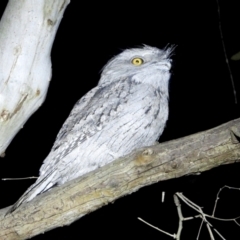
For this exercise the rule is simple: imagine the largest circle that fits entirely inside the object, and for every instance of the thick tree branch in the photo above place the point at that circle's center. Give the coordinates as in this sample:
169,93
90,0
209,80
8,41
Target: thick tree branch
63,205
27,31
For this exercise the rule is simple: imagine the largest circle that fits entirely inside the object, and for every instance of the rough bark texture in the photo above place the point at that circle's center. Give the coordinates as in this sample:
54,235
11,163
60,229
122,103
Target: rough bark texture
63,205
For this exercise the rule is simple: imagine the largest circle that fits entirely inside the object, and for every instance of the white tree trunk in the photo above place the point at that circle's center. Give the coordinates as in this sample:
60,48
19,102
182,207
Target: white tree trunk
27,31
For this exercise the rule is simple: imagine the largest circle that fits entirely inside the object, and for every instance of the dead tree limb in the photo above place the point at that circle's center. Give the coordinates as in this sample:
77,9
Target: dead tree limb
27,31
65,204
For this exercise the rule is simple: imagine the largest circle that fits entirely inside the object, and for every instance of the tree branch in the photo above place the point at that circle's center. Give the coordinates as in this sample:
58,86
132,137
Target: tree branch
27,31
65,204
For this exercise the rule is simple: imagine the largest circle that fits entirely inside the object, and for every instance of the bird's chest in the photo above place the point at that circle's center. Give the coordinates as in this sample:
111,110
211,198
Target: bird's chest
153,104
155,109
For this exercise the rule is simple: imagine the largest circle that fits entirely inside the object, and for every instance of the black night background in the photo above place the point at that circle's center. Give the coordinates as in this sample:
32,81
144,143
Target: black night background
201,98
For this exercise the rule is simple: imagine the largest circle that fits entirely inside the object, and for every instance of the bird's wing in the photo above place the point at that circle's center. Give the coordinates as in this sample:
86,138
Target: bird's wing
106,106
71,120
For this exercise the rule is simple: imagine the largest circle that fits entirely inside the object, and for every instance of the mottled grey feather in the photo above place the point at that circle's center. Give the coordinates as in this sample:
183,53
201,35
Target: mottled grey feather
128,109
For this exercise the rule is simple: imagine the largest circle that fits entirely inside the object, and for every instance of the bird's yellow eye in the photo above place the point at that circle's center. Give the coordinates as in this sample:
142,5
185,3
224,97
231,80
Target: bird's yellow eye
137,61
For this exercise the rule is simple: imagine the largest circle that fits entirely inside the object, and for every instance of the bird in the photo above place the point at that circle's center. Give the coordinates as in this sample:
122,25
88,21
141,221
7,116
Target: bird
127,110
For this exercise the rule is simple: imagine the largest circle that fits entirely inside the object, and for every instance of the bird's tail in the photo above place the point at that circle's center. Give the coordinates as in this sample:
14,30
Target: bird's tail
41,185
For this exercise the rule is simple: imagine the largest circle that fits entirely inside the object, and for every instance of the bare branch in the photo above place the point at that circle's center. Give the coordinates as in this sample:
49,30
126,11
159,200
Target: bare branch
27,31
160,230
69,202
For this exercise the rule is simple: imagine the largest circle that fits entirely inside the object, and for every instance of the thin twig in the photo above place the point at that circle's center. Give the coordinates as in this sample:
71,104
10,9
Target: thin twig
225,53
200,228
210,232
219,234
201,215
7,179
217,199
171,235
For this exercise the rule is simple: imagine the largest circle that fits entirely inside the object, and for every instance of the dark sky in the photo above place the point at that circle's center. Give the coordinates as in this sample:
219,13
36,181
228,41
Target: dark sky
201,97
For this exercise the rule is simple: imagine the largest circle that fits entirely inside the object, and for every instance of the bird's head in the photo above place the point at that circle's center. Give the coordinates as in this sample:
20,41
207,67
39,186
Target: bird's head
144,65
